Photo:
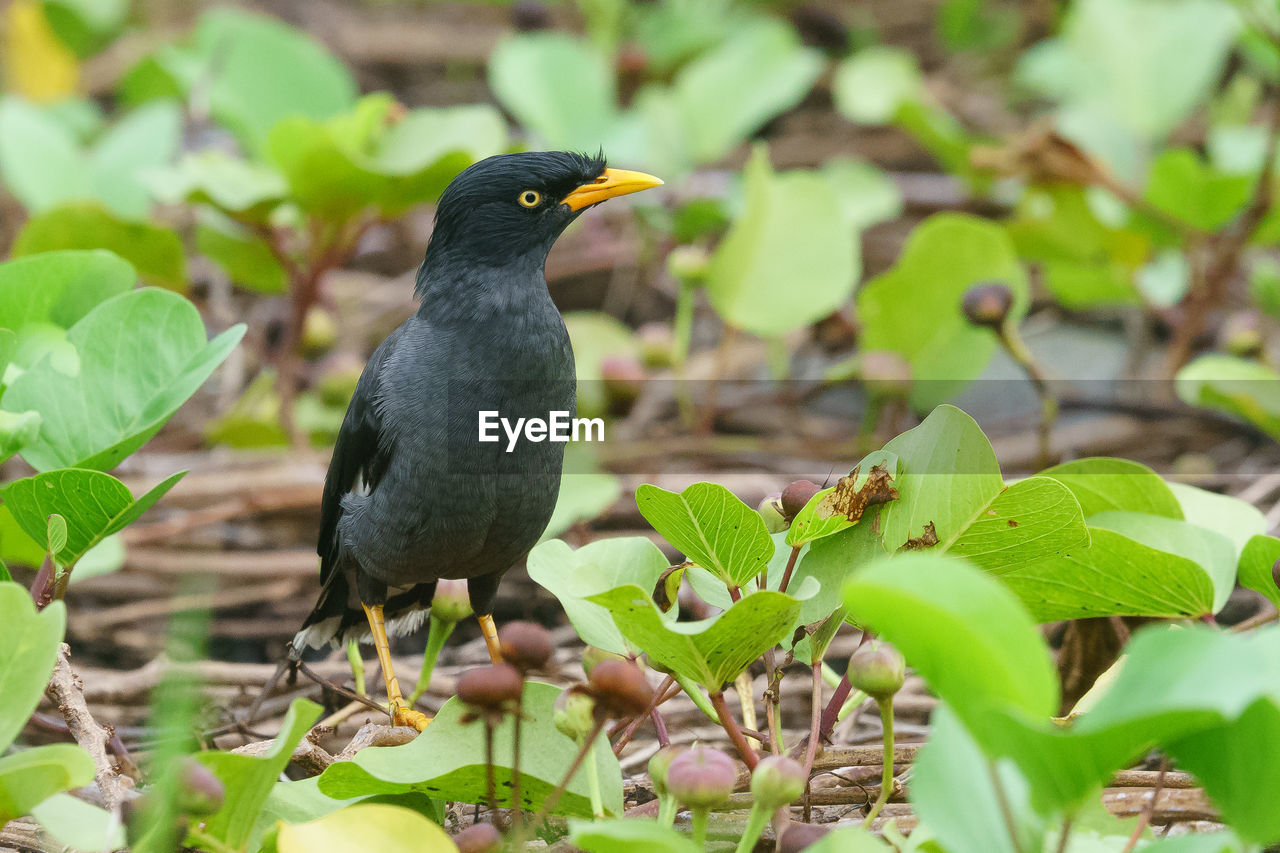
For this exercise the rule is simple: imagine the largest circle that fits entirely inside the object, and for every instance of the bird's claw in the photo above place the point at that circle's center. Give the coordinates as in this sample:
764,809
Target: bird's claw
403,715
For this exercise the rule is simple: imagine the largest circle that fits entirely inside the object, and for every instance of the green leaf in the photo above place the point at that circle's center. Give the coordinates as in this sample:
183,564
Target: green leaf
55,533
729,92
446,761
711,527
1212,551
789,259
627,835
596,336
17,431
1149,85
142,354
216,178
914,309
1237,520
947,476
1102,484
248,779
40,158
31,641
584,495
366,826
1239,387
961,629
156,253
58,288
713,651
95,505
867,195
559,88
575,576
950,761
243,256
1032,519
144,139
871,86
1257,566
1186,187
819,517
30,777
78,824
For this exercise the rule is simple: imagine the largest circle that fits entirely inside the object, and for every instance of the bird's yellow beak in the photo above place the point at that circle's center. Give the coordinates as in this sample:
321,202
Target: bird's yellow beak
612,183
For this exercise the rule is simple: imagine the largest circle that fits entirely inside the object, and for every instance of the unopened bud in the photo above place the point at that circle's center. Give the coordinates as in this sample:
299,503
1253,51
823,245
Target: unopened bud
701,777
988,304
491,688
688,263
777,781
452,602
478,838
878,670
592,656
319,333
659,764
801,836
770,510
574,713
796,495
620,689
657,345
200,792
525,645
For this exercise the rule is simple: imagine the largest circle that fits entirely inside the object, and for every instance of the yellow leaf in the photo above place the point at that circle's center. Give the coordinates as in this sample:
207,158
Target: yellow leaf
36,64
363,827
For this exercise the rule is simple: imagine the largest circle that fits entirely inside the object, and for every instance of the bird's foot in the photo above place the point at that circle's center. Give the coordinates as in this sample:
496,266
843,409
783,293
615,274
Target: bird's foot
403,715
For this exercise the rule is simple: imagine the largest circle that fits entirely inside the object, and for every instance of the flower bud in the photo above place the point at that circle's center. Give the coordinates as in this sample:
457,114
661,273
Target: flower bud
1241,334
525,645
988,304
319,333
777,781
659,764
770,510
478,838
688,263
701,777
796,495
592,656
657,345
574,713
200,792
452,602
620,689
491,688
623,378
801,836
878,670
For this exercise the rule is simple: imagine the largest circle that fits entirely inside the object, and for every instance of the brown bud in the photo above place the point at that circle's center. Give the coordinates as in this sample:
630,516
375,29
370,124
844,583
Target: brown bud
491,688
200,792
1241,334
988,304
525,645
796,495
623,378
1275,573
620,689
592,656
479,838
800,836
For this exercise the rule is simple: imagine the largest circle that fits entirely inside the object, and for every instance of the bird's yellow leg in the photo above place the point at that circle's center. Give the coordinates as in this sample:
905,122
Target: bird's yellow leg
490,632
401,713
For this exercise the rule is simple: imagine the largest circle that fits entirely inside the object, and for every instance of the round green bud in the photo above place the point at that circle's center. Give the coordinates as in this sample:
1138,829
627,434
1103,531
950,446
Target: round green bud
451,602
770,510
319,333
659,764
1241,334
657,345
574,713
878,670
688,263
777,781
701,777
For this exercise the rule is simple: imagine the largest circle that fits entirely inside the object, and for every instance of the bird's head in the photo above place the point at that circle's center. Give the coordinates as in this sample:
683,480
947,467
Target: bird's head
510,208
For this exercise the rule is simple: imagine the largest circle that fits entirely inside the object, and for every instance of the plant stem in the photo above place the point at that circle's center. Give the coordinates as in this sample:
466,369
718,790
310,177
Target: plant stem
667,808
886,775
831,714
208,842
1005,811
791,565
1144,820
815,722
593,788
751,833
660,726
438,632
357,666
1012,341
491,788
699,825
1065,835
731,728
550,802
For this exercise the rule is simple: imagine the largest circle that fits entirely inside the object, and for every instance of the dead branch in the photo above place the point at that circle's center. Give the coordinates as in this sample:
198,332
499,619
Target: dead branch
67,693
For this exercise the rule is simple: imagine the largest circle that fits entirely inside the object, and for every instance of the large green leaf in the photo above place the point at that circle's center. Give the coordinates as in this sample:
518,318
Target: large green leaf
940,611
947,476
95,505
1032,519
244,256
79,825
1258,563
40,159
142,354
155,252
248,779
1240,387
789,259
711,527
914,309
1102,483
59,288
574,576
1184,186
1213,552
249,190
366,826
628,835
30,640
559,88
713,651
1237,520
446,761
30,777
1116,576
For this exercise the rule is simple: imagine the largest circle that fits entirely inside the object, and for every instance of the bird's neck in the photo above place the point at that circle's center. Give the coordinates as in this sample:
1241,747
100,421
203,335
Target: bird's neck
464,292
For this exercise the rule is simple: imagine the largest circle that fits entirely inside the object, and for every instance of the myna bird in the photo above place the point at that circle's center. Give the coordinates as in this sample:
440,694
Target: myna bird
413,494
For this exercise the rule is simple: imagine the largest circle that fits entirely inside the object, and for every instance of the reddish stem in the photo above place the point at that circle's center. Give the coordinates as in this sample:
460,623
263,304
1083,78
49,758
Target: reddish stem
791,564
731,728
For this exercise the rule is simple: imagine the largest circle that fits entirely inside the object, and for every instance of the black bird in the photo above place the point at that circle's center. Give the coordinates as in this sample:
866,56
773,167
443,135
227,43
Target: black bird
412,494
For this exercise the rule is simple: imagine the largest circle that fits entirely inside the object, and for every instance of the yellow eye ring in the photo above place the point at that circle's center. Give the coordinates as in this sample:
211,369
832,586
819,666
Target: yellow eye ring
530,198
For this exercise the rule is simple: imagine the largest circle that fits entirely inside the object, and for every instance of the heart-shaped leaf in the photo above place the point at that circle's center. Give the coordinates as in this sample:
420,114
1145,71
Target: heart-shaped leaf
141,354
1258,567
712,527
1102,484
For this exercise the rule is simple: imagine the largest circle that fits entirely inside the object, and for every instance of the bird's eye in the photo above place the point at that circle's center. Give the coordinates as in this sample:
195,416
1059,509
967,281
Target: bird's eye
530,198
